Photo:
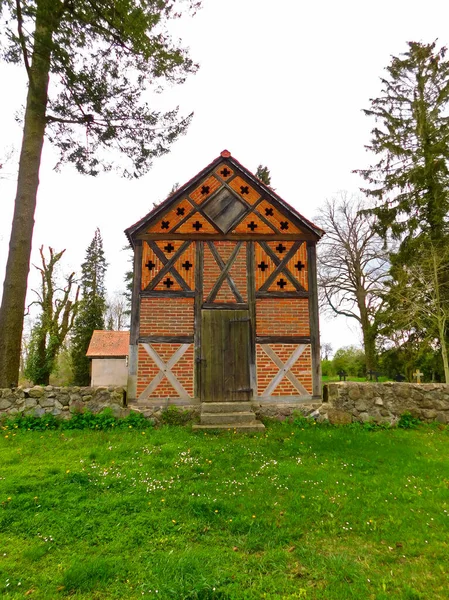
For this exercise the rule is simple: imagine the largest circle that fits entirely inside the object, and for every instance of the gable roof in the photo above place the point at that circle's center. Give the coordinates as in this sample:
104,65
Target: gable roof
108,343
224,158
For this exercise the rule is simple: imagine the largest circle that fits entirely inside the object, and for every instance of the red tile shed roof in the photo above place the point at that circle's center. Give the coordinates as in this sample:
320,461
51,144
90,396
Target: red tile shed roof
108,343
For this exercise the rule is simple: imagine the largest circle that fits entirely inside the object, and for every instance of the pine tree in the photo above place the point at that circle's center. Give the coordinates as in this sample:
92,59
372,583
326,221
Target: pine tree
410,186
263,173
92,309
410,181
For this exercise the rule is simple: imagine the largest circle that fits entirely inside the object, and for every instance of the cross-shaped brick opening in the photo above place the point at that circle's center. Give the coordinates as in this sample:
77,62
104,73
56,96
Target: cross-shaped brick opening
187,265
165,224
284,224
281,248
252,226
225,172
150,265
263,266
169,248
281,283
180,211
205,190
244,189
197,225
168,283
299,266
269,212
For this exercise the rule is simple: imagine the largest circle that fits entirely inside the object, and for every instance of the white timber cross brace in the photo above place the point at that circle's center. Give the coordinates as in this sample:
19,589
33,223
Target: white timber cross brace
284,370
165,370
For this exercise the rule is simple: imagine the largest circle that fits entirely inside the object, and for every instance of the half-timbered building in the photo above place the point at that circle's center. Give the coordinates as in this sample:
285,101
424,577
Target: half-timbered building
224,302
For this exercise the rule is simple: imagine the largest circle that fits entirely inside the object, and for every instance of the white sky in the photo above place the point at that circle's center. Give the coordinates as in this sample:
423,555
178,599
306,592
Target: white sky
281,84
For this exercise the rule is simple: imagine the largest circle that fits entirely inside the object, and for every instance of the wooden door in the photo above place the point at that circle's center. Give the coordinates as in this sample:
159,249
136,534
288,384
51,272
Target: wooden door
225,356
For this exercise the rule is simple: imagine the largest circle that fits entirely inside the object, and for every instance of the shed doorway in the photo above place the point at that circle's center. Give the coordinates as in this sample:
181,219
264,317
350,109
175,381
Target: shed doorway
225,356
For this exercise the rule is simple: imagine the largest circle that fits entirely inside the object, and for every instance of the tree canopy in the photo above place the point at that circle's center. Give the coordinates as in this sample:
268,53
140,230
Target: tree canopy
90,66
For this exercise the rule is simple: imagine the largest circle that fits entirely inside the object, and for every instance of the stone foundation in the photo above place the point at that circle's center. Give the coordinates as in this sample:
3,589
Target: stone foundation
350,401
61,401
343,402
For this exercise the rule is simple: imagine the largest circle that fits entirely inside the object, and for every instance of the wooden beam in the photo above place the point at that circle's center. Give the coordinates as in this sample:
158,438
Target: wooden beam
314,319
134,325
282,339
225,305
251,293
279,294
167,294
168,266
199,266
135,299
166,339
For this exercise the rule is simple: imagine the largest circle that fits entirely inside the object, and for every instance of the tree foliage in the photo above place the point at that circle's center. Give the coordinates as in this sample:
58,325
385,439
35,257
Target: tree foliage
263,173
352,267
58,309
410,185
92,309
410,180
90,66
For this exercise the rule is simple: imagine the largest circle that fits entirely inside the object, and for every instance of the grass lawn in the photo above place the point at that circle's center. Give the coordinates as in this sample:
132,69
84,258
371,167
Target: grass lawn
293,513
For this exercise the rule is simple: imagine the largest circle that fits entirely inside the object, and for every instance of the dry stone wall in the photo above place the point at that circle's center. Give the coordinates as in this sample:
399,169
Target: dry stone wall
61,401
349,401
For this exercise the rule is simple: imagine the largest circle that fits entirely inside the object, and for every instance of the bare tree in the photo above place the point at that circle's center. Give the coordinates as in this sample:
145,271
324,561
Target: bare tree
352,266
117,315
59,306
326,350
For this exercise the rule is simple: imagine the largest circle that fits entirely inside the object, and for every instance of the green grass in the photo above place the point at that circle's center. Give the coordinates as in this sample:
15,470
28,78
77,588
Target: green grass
310,513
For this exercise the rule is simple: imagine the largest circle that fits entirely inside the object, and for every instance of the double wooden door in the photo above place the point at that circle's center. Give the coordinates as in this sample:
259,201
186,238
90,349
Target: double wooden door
225,356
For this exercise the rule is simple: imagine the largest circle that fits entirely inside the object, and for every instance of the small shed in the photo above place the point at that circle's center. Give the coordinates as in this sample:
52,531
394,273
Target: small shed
108,351
224,302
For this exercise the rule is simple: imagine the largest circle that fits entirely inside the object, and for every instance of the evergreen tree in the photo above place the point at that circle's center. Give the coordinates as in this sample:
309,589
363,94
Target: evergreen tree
263,173
410,185
92,309
89,65
410,181
56,319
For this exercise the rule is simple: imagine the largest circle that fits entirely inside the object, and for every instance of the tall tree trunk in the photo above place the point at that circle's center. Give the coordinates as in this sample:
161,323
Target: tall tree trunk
18,265
369,335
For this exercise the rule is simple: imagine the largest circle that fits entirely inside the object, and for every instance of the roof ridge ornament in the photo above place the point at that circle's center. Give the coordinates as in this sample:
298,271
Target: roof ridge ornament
225,153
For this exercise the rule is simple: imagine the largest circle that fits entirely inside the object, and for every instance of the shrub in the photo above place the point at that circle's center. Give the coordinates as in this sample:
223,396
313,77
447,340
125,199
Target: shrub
408,421
175,416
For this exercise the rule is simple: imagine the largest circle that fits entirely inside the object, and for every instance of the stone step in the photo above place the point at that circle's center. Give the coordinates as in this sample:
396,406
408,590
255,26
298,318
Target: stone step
229,418
225,407
238,427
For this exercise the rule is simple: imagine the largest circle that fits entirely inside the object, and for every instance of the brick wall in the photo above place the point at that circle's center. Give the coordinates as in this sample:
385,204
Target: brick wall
182,370
267,369
282,316
166,316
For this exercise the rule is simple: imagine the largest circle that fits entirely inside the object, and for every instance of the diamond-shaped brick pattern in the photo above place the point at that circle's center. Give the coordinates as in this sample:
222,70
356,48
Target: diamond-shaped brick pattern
244,190
211,184
224,172
276,218
267,370
253,225
197,224
169,221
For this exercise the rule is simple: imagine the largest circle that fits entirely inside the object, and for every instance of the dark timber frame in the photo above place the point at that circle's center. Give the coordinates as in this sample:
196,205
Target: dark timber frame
309,234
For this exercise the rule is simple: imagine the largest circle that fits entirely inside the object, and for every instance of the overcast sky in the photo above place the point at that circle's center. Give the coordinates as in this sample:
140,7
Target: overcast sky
280,83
